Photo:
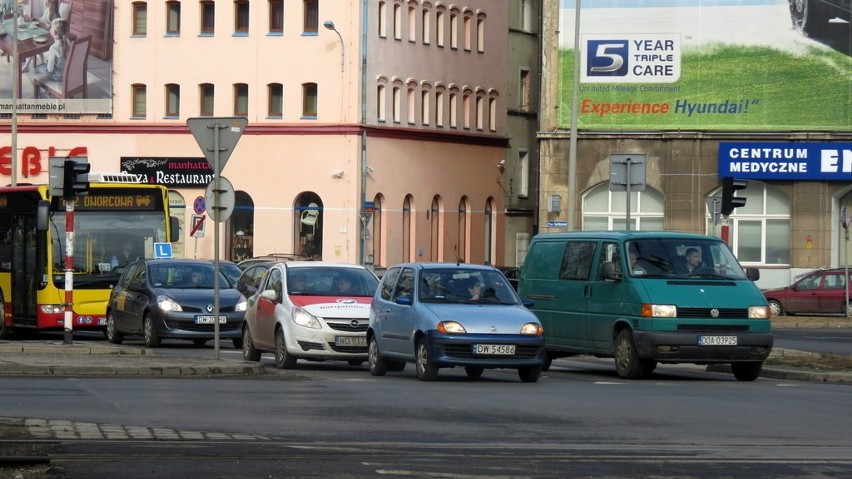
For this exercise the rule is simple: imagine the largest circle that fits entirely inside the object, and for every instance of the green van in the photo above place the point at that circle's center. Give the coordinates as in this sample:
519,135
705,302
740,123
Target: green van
647,297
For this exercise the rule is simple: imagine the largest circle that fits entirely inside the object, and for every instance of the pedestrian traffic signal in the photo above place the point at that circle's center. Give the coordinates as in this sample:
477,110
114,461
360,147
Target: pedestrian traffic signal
730,186
76,178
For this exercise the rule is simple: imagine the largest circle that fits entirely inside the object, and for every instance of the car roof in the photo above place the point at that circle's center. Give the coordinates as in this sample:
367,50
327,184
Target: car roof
624,235
482,267
316,264
177,261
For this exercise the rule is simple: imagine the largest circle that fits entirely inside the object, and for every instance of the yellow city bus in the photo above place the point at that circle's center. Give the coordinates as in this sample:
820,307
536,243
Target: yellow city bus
33,250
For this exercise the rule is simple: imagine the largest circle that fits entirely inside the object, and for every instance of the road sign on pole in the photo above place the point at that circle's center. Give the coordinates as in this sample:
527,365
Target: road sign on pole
220,201
217,135
197,228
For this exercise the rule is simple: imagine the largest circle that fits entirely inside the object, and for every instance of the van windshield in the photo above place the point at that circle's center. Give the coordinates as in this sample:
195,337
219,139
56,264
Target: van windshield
666,258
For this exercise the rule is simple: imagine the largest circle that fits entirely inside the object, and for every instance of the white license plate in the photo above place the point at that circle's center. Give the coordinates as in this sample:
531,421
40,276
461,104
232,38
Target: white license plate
350,340
717,340
495,349
208,319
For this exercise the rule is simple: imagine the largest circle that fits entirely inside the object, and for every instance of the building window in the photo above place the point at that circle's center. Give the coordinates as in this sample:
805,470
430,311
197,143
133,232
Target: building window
276,16
375,257
381,103
410,105
208,17
395,106
383,15
526,15
525,82
466,111
408,242
439,109
140,19
173,18
454,109
466,32
454,30
172,100
241,17
490,228
439,28
436,228
397,22
140,101
480,113
760,230
275,92
241,91
492,114
424,107
206,94
427,26
309,100
605,210
480,35
412,24
523,173
311,16
464,249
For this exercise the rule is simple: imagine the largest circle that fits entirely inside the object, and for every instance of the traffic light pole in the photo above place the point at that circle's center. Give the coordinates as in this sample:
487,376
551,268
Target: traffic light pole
69,270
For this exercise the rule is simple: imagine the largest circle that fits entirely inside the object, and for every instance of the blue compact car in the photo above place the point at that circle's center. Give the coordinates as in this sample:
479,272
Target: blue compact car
441,315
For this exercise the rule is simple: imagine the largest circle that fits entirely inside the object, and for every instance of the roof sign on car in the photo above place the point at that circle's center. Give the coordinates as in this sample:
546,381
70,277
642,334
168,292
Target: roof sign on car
162,250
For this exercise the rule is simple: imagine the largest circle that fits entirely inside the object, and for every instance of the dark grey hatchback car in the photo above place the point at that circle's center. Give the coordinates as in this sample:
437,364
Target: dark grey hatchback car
173,298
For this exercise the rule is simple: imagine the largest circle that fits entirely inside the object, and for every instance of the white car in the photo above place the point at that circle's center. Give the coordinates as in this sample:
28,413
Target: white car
310,310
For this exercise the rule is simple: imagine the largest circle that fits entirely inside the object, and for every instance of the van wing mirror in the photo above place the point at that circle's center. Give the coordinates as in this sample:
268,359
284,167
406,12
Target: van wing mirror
609,271
753,274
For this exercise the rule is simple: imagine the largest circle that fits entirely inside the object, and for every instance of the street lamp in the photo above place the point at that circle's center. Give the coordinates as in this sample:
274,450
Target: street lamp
330,25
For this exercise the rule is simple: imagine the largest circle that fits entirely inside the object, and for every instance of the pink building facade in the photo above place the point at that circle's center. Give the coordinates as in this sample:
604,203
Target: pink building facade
374,127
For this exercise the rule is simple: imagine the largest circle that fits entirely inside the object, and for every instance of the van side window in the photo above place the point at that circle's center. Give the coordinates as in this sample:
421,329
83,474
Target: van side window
577,260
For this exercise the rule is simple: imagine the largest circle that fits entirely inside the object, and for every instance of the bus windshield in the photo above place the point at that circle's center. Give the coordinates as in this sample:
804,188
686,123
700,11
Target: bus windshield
104,243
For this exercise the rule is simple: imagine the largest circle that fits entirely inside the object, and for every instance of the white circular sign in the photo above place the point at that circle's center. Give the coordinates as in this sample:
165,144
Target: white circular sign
220,207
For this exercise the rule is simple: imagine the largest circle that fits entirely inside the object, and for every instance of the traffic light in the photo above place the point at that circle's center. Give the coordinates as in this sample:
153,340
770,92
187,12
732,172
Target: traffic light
730,186
76,178
57,176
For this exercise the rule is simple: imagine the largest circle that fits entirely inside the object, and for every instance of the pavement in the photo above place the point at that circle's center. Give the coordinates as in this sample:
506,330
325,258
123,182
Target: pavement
52,357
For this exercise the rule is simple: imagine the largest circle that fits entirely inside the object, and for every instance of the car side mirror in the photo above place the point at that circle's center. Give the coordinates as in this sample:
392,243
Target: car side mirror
609,271
753,274
528,302
403,300
269,294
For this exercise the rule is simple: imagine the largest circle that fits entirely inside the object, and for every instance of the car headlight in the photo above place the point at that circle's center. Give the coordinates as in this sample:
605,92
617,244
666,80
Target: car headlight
759,312
241,304
659,311
532,329
451,327
168,304
306,319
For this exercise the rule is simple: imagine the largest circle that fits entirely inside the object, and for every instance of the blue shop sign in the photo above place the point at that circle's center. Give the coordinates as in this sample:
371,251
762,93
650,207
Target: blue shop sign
786,161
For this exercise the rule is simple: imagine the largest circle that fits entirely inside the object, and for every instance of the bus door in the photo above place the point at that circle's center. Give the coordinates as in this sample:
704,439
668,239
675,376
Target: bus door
25,275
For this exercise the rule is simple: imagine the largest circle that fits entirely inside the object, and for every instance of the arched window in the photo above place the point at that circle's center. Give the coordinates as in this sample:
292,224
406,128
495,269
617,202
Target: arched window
464,249
308,221
490,238
606,210
241,227
759,232
376,255
407,229
436,223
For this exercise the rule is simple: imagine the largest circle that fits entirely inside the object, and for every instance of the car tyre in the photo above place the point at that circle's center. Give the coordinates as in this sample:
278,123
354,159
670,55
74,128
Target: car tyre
748,371
627,363
474,371
808,17
548,360
425,370
112,334
378,365
250,353
529,374
152,338
283,359
775,308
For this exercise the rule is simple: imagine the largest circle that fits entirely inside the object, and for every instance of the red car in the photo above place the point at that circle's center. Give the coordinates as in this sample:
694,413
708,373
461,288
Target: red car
818,292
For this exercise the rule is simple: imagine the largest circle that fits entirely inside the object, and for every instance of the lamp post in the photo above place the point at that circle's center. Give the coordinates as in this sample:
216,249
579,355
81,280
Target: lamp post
330,25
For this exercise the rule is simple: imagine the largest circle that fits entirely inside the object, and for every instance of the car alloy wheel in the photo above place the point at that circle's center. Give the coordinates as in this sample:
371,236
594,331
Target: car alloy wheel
283,359
374,358
425,370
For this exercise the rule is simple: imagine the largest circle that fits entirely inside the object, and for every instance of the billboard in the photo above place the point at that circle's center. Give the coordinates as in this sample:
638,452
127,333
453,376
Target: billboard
744,65
58,73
